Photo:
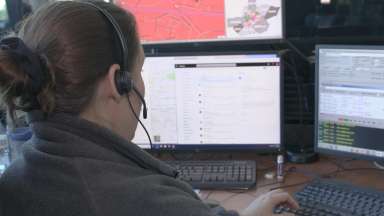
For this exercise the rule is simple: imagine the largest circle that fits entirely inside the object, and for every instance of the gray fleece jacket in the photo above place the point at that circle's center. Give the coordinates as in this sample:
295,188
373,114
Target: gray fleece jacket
72,167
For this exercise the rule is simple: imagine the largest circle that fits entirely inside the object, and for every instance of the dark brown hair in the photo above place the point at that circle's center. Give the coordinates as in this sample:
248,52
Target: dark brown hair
78,45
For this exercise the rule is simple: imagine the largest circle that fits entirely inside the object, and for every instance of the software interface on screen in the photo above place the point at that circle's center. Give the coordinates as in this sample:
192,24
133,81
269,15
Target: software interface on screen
206,20
3,11
212,102
351,100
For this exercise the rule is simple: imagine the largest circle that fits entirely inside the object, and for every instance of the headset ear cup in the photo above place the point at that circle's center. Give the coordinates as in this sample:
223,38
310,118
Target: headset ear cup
123,82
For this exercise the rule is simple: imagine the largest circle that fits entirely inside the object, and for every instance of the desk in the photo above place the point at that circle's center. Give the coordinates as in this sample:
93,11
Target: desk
354,171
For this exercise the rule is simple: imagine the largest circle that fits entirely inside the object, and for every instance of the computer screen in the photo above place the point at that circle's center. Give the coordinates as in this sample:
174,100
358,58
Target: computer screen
213,102
165,21
350,100
4,17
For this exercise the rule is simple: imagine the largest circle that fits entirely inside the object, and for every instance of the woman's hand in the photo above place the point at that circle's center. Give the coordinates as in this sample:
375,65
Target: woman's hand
265,204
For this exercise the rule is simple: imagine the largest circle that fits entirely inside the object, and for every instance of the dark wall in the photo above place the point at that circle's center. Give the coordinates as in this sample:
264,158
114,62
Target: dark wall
341,18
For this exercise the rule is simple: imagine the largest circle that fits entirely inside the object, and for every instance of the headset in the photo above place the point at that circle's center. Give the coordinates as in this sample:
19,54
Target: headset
123,79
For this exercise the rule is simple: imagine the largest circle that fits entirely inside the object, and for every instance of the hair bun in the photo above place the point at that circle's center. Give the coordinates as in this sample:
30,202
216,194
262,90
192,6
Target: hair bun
30,62
25,80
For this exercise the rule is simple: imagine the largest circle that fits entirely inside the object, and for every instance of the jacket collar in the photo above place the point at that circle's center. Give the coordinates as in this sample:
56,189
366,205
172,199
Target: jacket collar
71,136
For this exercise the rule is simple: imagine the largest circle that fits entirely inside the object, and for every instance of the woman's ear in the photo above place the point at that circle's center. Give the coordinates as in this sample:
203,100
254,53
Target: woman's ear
111,84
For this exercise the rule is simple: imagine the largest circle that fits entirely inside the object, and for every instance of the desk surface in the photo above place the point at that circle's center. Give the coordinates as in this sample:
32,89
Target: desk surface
296,176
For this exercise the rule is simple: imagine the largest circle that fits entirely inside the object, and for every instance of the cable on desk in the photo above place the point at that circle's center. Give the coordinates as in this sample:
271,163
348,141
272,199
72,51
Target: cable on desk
228,198
237,191
295,170
327,175
208,195
236,194
267,184
340,168
378,165
340,164
303,171
291,185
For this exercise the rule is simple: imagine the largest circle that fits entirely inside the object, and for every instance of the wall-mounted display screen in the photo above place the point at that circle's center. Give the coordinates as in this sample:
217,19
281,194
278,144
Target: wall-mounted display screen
167,21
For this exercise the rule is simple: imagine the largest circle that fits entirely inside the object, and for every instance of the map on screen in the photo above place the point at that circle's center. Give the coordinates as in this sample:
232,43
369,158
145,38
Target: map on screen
206,20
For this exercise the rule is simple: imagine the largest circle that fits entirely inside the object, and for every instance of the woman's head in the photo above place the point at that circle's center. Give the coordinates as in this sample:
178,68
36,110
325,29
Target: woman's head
81,52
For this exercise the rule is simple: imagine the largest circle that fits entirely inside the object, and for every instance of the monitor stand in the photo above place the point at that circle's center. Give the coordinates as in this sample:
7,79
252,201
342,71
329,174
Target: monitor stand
302,155
299,143
379,164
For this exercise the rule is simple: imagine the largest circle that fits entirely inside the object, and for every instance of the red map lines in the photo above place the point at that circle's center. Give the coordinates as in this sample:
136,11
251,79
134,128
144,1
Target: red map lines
165,20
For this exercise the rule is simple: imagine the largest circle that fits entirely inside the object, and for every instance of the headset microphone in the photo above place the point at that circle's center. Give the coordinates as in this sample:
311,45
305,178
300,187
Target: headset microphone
142,101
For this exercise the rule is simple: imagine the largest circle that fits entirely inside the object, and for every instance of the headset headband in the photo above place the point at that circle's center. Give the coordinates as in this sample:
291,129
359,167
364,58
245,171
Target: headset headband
118,31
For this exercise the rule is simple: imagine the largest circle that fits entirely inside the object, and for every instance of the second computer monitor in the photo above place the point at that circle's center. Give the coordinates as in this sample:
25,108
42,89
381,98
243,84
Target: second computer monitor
215,102
350,101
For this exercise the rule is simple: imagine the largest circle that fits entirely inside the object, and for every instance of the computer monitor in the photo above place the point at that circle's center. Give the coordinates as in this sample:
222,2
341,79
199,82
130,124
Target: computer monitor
213,102
173,21
350,101
4,17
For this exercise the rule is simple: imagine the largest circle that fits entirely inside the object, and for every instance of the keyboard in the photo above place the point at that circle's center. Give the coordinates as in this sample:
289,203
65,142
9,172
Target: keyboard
334,198
217,174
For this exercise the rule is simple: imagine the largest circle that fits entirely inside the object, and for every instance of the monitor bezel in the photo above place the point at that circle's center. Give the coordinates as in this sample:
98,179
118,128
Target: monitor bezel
318,149
198,42
259,148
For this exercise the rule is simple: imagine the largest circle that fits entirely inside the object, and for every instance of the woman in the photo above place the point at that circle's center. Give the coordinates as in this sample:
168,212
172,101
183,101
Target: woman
61,70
